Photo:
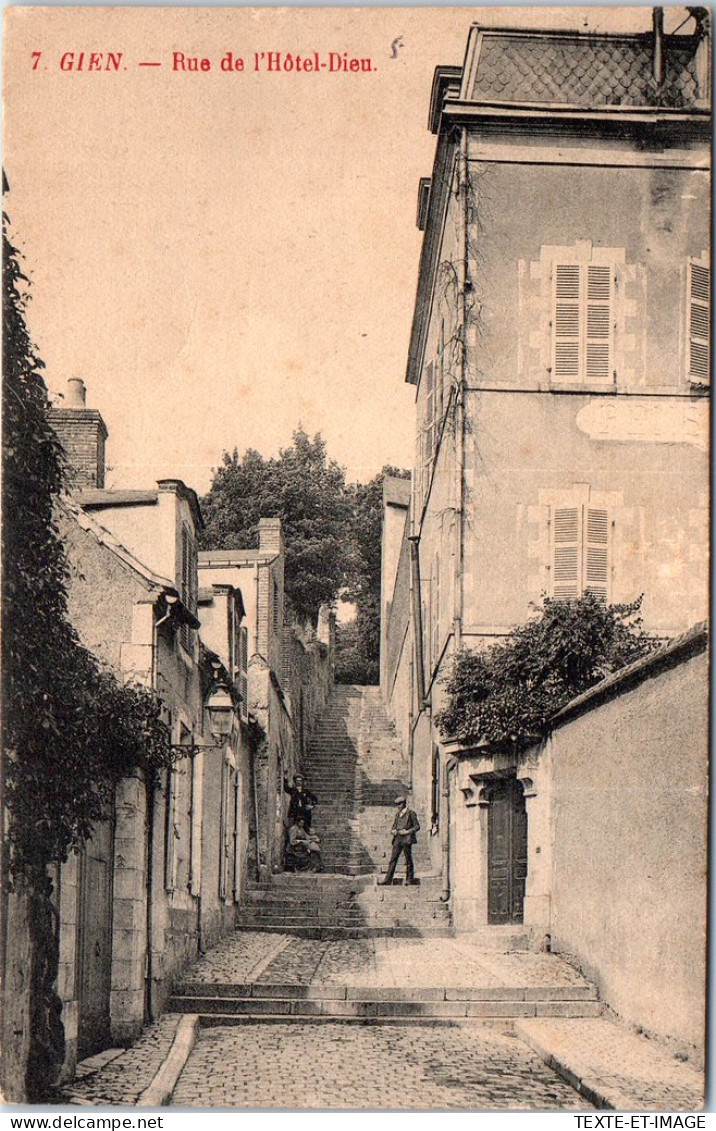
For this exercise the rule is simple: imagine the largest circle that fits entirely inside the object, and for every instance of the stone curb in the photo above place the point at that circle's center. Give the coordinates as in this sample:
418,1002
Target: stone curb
159,1092
591,1088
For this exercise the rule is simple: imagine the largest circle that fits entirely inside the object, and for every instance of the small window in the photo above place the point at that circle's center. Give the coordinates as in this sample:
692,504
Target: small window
699,320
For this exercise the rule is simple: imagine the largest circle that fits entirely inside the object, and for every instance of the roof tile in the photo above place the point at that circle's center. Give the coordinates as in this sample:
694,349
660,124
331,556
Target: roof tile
584,70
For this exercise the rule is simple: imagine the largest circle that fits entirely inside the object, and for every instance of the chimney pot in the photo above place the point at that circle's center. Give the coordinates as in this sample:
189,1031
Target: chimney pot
76,393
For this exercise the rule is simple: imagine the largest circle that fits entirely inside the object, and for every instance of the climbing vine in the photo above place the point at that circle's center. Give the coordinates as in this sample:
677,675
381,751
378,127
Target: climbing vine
71,730
508,695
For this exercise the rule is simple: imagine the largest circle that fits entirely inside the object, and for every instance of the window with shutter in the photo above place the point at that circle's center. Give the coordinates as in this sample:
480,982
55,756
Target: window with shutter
565,552
699,321
596,551
582,323
598,351
188,582
244,671
580,552
440,391
567,321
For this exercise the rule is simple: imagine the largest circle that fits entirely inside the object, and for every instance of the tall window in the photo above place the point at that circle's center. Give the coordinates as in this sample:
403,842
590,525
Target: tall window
580,552
582,321
699,321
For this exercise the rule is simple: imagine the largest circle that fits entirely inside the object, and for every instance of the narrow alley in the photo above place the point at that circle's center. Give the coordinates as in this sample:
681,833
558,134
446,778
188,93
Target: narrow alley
331,982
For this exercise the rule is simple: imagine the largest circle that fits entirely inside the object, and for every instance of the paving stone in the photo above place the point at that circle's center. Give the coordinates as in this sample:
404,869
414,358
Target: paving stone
630,1072
122,1079
236,958
369,1067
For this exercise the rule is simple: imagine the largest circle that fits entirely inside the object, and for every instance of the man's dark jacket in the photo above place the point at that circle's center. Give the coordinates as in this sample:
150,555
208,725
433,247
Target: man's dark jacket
405,826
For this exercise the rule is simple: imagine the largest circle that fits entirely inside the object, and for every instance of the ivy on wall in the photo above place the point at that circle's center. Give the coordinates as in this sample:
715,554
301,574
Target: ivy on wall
70,729
508,695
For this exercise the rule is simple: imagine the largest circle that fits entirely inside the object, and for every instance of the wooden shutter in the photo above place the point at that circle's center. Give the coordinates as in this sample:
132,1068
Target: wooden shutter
582,324
596,553
440,393
435,610
699,283
196,787
185,582
223,821
598,344
566,541
430,413
567,321
244,671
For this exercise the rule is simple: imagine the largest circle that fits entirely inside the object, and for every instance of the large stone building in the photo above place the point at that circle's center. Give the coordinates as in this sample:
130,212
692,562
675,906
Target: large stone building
560,357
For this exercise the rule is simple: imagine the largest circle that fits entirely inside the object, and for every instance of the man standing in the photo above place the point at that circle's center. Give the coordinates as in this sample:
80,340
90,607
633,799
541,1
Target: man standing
405,826
302,801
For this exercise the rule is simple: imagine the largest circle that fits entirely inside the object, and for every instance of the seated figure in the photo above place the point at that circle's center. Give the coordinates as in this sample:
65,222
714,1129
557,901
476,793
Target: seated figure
303,851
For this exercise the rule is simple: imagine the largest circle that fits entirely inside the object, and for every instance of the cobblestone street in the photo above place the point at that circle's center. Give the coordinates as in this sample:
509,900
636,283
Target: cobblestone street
411,1067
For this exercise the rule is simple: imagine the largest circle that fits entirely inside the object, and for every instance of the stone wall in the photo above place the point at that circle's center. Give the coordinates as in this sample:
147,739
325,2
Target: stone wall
629,828
15,999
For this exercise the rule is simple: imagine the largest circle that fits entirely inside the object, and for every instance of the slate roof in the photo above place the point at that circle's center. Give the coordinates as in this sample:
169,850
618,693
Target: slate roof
587,70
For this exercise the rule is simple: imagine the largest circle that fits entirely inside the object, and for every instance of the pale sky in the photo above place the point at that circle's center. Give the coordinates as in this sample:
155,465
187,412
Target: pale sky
222,256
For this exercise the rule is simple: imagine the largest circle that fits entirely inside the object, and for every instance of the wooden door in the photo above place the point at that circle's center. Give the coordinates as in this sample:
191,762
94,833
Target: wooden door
507,853
95,941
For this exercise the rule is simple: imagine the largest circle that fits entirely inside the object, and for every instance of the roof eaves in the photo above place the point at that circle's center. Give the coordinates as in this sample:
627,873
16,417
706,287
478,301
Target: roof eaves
151,580
439,194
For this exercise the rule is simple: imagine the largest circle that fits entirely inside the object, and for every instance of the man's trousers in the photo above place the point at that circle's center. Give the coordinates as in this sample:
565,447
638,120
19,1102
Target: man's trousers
407,850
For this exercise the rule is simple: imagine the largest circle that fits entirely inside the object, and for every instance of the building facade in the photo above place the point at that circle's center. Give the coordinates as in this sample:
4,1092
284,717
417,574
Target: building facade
560,357
159,880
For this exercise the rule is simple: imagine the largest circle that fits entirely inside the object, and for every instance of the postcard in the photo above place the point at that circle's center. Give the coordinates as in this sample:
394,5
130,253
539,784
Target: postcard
355,540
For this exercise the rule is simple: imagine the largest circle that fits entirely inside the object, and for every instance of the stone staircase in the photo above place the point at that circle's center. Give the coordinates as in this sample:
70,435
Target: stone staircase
350,907
356,768
340,947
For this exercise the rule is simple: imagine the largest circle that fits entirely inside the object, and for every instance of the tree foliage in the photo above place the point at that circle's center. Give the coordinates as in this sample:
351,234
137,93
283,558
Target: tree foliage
352,665
71,730
307,491
508,695
363,585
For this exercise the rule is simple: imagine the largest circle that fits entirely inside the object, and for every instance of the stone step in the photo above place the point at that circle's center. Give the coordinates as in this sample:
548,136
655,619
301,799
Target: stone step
329,991
358,916
209,1020
375,1007
330,934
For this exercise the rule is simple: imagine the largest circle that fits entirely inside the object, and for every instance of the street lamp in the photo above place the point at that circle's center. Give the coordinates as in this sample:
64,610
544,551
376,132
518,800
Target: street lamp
219,707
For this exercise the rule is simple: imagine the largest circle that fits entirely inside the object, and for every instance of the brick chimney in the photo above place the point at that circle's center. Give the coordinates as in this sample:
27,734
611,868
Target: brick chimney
82,433
270,536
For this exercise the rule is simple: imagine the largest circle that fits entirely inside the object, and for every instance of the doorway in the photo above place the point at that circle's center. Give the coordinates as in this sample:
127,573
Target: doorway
95,940
507,852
